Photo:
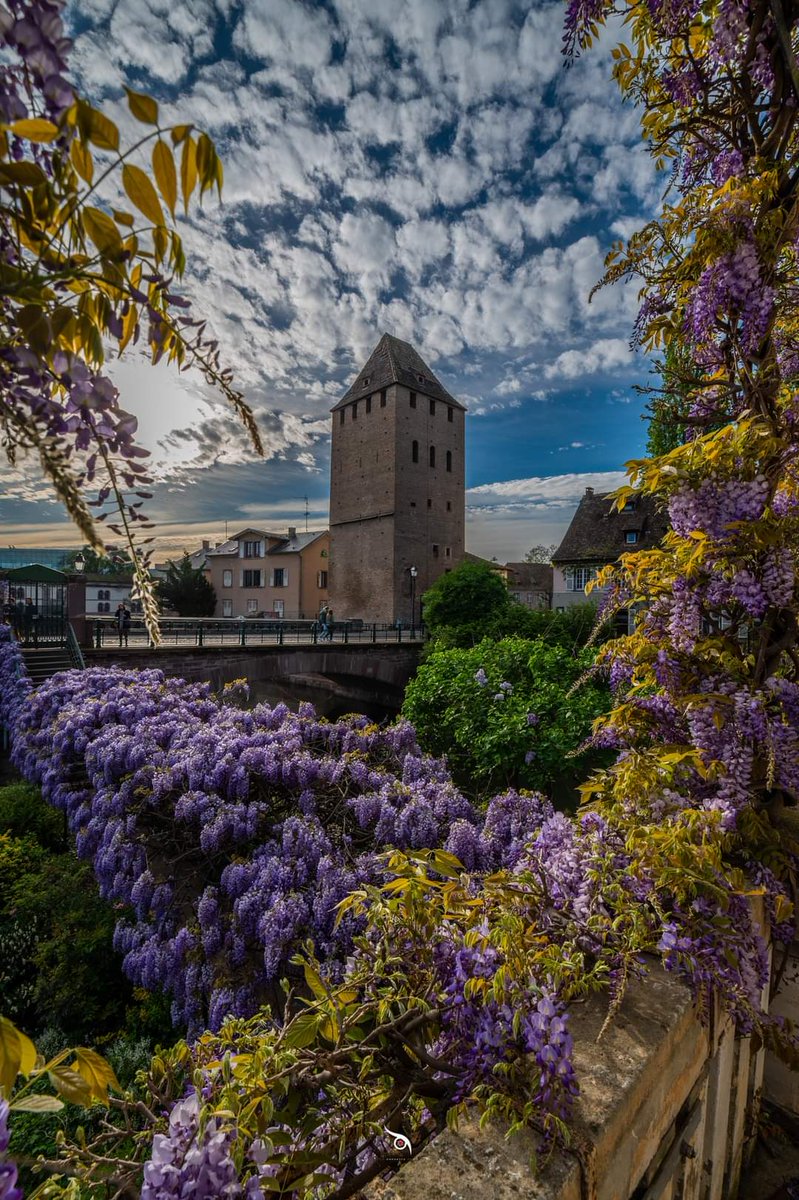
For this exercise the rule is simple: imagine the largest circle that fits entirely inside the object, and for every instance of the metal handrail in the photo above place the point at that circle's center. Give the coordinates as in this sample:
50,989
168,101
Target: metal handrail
226,631
74,650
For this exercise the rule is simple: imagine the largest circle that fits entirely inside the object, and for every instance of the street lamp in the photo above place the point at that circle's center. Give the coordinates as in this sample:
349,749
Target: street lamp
413,574
79,563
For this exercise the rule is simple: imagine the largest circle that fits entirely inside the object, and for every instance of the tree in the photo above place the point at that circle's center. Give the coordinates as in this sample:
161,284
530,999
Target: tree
462,602
82,268
666,430
540,553
505,714
113,562
187,590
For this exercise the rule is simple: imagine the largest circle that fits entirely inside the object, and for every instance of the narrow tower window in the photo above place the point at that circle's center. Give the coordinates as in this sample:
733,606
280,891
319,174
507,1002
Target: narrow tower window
415,451
432,456
341,417
413,399
383,398
368,404
355,410
449,412
432,408
449,460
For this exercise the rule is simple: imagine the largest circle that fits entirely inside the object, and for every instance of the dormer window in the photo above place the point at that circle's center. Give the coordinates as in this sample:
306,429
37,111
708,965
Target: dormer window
365,381
631,537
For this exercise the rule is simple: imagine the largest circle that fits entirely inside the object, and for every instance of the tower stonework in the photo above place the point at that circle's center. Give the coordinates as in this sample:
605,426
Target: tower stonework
397,487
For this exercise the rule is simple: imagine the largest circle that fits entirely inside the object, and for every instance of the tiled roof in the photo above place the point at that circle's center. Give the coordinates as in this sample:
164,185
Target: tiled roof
298,542
393,361
532,576
597,534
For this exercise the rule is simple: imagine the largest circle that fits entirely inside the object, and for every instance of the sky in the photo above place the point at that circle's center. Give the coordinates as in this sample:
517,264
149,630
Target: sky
429,168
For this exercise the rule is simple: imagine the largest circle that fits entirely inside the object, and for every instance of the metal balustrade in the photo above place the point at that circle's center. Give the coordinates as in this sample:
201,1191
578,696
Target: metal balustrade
211,631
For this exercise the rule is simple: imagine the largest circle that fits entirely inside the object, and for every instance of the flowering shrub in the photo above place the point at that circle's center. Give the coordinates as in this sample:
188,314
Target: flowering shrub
503,714
229,836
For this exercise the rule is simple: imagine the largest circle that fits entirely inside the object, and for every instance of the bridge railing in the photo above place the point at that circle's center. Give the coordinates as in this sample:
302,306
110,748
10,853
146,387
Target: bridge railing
213,631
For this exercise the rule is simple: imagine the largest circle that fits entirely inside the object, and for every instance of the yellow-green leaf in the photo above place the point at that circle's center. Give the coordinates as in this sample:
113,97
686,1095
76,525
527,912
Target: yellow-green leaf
98,1073
206,162
141,192
40,1104
82,159
123,218
102,230
179,132
188,170
35,129
11,1053
165,174
71,1085
314,981
144,108
99,128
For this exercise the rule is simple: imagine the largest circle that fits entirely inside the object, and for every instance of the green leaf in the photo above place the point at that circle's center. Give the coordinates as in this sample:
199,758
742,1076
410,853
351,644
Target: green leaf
40,1104
98,1073
165,174
303,1030
314,981
35,129
141,192
102,230
143,107
70,1085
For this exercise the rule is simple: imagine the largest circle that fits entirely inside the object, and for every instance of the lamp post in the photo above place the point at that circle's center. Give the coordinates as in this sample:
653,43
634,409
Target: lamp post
79,563
413,574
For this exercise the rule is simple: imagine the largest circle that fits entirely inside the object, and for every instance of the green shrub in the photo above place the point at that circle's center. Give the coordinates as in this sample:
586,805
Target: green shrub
502,714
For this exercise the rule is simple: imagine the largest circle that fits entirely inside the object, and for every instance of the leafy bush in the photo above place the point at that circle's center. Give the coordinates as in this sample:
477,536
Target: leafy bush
463,602
502,714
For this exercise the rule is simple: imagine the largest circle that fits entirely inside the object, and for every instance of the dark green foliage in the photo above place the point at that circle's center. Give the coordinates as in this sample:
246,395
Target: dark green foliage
187,590
57,963
461,604
571,628
484,729
666,430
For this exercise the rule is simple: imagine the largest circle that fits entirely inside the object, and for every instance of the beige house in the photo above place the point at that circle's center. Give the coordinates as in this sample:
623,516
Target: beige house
274,575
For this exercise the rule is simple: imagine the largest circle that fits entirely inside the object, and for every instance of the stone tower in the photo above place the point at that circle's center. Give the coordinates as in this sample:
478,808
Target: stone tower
397,492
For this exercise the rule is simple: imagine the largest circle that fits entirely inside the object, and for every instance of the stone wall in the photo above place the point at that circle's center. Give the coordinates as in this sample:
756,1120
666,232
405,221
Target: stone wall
335,677
667,1111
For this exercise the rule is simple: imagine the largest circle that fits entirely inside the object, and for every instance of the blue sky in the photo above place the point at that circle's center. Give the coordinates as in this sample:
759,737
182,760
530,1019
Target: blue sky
427,167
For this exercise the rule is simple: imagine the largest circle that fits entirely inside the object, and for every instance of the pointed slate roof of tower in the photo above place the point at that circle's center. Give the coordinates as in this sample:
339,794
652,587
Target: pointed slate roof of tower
393,361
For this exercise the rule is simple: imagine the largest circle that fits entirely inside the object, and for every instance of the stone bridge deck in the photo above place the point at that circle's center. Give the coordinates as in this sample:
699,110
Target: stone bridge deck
336,677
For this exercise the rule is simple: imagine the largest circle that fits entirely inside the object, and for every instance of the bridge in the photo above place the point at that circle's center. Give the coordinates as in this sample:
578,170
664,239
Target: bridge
337,677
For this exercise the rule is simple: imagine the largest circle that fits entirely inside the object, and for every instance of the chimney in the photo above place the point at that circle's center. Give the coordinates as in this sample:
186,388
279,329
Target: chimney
292,532
589,491
206,544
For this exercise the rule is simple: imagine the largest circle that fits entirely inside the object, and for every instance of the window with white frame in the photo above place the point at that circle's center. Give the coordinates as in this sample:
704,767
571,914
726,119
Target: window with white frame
227,579
321,579
252,550
252,606
278,608
578,577
227,608
252,579
280,577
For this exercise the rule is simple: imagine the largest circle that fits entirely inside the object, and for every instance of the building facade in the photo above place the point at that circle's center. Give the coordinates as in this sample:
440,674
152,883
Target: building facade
530,584
397,487
258,573
598,535
104,594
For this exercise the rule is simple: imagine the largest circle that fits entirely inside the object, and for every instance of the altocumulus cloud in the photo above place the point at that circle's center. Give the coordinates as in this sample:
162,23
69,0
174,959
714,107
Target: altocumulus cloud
424,166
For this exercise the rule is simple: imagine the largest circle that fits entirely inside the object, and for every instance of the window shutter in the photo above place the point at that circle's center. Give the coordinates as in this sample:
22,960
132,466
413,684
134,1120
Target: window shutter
241,578
271,578
262,579
285,577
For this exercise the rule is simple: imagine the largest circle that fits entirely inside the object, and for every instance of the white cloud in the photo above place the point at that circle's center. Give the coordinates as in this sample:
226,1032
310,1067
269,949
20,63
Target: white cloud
606,354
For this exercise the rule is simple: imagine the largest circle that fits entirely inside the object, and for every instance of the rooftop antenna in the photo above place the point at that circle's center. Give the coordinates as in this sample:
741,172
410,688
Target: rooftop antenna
306,514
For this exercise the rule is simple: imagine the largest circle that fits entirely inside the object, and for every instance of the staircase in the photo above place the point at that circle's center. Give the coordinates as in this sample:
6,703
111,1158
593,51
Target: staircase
44,663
